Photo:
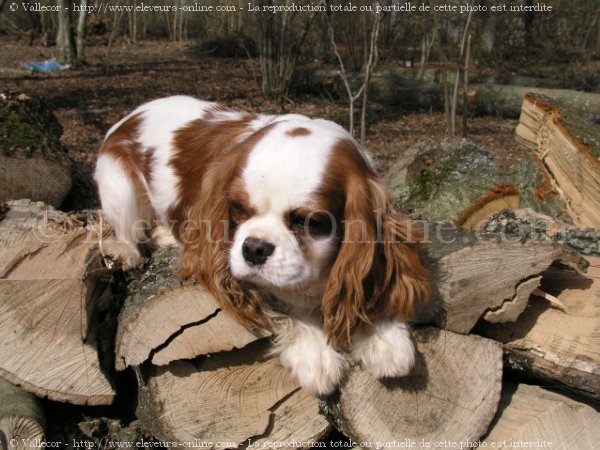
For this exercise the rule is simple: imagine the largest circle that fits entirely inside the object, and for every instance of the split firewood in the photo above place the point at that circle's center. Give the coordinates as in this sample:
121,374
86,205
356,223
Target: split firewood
560,345
530,416
566,148
231,399
51,286
21,418
166,319
204,378
451,395
475,274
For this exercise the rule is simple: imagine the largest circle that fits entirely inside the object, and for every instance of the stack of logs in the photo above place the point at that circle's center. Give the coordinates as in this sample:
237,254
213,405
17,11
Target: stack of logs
205,381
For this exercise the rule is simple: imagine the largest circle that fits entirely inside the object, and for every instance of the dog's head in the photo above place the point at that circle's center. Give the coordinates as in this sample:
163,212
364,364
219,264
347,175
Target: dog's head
295,210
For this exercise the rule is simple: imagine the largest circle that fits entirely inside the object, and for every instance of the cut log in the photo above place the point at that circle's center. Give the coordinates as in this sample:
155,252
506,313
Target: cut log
229,399
542,419
512,309
558,346
567,148
473,273
51,287
506,100
451,395
457,180
21,418
236,395
166,319
391,87
33,163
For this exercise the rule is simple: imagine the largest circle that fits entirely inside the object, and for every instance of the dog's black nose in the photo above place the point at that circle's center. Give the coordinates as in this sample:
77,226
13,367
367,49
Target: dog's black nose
256,251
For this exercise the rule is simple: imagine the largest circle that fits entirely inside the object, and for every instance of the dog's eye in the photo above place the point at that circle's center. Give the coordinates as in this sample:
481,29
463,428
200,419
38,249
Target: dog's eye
297,222
310,224
238,213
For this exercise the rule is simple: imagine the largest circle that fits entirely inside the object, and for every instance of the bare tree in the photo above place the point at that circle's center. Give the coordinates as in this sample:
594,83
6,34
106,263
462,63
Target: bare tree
280,38
461,69
371,57
64,37
451,95
81,30
437,28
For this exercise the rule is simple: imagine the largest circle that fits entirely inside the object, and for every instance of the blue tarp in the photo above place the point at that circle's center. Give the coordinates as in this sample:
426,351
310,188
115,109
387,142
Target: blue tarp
50,65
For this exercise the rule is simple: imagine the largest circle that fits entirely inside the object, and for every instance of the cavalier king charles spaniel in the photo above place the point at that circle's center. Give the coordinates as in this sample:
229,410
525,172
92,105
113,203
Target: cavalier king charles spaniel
274,213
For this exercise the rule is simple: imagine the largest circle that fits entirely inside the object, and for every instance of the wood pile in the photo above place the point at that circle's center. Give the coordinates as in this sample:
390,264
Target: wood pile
71,335
204,379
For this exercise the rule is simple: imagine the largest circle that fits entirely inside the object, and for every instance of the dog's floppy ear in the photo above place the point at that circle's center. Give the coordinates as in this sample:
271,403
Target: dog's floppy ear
377,272
208,236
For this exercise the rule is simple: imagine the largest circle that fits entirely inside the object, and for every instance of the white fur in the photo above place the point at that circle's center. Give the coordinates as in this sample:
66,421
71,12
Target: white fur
387,351
280,175
302,347
124,211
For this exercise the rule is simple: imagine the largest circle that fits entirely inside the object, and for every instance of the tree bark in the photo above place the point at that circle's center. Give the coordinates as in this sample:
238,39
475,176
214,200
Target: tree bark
81,30
33,162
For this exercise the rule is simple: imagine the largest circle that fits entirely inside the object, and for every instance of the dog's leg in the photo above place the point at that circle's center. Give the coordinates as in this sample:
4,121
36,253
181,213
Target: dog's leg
125,210
386,350
302,347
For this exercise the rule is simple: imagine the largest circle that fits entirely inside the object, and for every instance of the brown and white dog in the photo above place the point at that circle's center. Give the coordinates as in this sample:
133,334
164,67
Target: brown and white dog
278,212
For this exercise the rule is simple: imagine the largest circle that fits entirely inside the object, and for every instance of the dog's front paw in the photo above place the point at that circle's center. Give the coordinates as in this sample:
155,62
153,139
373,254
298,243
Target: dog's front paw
119,254
318,373
304,350
387,352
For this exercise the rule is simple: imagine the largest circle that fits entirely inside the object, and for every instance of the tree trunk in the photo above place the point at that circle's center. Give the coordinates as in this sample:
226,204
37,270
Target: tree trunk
202,378
64,38
487,39
279,46
165,319
33,162
52,291
81,30
567,148
473,273
237,393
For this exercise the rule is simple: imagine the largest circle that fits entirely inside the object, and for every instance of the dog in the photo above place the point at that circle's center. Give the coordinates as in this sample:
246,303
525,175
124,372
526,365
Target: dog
274,213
